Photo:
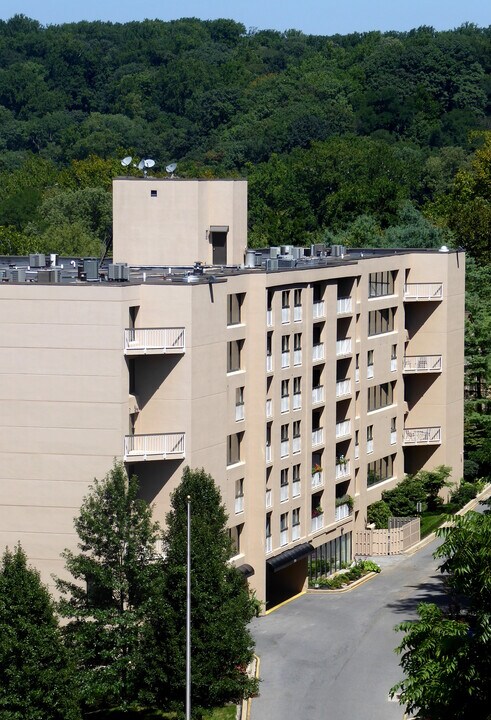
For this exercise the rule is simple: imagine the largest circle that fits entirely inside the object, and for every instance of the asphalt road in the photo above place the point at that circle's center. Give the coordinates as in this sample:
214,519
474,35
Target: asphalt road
331,657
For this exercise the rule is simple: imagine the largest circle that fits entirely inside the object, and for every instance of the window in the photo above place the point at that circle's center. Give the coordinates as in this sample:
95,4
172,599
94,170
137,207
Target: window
381,283
370,364
239,403
369,433
317,293
393,352
283,528
380,396
234,308
297,297
285,391
234,350
239,495
297,385
270,299
269,543
284,433
233,448
381,321
234,535
284,485
285,299
285,343
380,470
296,429
295,523
297,341
393,422
153,193
296,481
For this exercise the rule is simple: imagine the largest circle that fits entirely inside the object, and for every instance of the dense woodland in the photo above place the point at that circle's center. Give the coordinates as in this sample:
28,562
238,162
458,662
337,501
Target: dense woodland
372,139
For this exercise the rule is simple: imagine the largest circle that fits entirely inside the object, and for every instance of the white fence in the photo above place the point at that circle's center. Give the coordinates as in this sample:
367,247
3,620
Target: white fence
145,340
166,445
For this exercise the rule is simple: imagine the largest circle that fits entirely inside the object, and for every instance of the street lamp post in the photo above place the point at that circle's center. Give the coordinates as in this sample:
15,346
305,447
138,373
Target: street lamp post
188,612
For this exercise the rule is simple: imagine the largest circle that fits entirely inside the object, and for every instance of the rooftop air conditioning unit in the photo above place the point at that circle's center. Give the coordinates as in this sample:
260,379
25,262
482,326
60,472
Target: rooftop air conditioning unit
47,277
37,260
17,275
274,252
271,264
91,268
119,272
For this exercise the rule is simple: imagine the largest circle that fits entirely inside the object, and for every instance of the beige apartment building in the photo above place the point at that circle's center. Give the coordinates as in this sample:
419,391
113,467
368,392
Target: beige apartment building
305,382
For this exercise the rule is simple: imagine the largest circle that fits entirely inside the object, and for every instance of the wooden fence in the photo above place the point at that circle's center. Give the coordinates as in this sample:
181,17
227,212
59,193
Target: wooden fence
401,534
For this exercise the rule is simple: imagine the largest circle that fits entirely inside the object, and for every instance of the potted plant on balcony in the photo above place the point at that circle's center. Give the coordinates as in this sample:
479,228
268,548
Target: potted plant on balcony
317,511
341,460
316,469
345,500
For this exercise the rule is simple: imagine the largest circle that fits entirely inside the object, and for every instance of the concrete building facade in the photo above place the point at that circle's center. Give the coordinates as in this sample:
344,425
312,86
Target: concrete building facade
305,383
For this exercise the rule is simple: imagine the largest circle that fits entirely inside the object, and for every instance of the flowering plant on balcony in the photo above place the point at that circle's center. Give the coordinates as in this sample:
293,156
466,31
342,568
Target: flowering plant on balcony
317,511
316,469
345,500
341,460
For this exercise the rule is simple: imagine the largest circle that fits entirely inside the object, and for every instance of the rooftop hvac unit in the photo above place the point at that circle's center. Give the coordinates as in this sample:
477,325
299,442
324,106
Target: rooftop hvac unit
274,252
297,252
338,250
17,275
3,274
286,249
271,264
47,277
286,262
91,268
250,259
37,260
118,271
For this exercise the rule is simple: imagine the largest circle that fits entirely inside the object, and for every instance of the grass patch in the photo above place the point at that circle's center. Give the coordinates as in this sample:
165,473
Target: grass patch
430,521
224,713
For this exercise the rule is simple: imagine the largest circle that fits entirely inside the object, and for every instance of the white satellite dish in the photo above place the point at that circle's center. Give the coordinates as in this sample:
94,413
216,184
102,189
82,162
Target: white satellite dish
126,161
141,165
171,168
149,163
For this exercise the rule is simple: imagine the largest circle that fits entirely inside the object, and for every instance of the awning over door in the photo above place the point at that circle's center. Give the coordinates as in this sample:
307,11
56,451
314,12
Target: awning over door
289,557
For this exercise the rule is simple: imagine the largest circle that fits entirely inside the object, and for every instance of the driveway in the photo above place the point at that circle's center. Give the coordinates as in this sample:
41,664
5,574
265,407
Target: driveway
331,657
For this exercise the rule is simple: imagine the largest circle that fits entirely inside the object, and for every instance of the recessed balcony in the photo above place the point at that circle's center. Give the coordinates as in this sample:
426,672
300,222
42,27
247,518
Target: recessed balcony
342,511
343,429
343,347
343,388
422,436
154,341
164,446
343,306
318,310
422,364
342,470
416,292
318,352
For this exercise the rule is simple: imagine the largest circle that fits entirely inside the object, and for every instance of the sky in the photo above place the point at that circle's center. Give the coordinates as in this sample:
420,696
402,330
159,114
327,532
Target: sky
321,17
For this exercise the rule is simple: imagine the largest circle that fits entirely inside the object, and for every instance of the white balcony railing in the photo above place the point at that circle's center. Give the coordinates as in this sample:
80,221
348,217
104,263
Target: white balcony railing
369,447
342,511
285,404
297,401
357,452
157,446
343,347
369,372
297,313
318,394
318,436
422,363
269,363
269,499
343,387
343,428
283,493
295,532
423,291
393,364
269,408
269,453
296,488
284,537
342,470
297,357
357,375
285,315
269,318
393,437
317,479
239,412
284,448
239,504
285,359
318,310
318,352
142,341
344,305
269,544
422,436
317,523
296,445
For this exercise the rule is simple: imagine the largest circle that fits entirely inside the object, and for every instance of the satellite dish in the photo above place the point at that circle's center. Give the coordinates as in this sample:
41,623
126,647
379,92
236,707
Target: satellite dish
126,161
171,168
141,165
148,163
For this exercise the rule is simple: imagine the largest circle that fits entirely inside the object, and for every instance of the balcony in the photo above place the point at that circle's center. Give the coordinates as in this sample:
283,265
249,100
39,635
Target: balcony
422,436
317,523
297,313
317,436
297,357
269,408
343,306
318,310
285,315
343,347
343,388
342,511
423,292
269,318
297,401
343,429
285,359
318,394
422,364
165,446
269,454
239,504
342,470
239,412
317,479
154,341
318,352
269,499
269,363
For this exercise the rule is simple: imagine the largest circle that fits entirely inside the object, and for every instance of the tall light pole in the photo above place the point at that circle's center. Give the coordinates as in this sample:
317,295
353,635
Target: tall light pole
188,613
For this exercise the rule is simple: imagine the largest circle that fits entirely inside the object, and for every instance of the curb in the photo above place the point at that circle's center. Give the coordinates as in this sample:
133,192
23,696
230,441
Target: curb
244,708
341,591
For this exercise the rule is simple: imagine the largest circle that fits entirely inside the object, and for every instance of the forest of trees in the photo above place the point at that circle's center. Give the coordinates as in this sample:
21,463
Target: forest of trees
371,139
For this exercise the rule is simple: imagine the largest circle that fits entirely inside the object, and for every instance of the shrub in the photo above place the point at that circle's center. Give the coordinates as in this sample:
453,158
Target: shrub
379,513
463,494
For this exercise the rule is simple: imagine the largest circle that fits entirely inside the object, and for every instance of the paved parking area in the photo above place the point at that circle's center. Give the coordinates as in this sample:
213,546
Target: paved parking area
331,657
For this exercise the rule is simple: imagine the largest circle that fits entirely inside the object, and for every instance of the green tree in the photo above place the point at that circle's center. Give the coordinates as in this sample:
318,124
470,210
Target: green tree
221,603
38,676
446,652
114,574
379,513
